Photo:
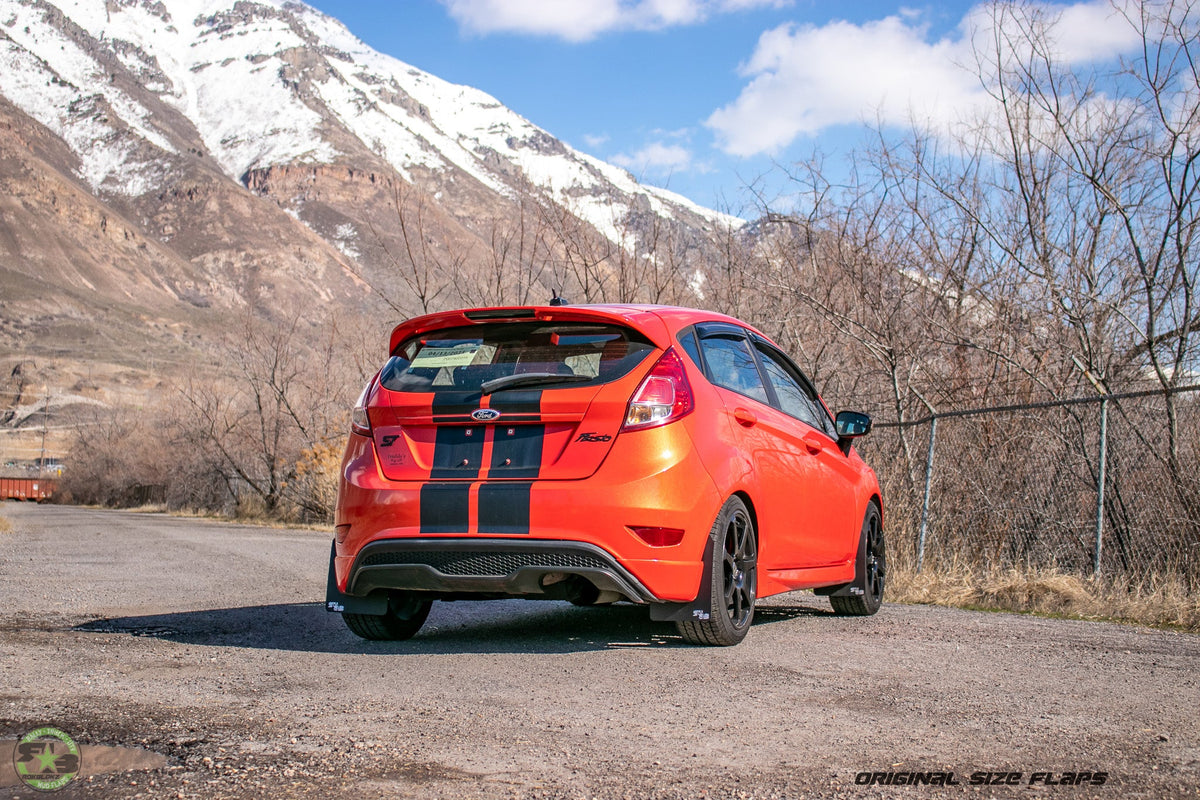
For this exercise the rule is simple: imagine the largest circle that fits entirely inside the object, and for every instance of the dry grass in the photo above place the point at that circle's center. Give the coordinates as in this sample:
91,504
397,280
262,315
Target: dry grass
1158,601
5,526
256,519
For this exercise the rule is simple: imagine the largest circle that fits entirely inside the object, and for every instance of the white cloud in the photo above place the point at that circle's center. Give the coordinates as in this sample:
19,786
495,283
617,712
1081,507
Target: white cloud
581,20
595,140
656,158
803,79
677,133
1082,32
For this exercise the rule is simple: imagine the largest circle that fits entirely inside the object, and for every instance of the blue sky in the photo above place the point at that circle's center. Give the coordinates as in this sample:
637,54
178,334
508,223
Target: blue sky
706,96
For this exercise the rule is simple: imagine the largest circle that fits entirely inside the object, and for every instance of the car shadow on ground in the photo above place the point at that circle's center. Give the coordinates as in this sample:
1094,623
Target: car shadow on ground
513,626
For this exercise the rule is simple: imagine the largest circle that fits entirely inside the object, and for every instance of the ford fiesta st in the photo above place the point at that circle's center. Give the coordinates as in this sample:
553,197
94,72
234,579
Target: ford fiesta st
668,457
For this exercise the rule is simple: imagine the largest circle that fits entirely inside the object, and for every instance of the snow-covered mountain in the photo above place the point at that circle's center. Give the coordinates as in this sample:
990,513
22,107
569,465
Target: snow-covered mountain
134,86
172,168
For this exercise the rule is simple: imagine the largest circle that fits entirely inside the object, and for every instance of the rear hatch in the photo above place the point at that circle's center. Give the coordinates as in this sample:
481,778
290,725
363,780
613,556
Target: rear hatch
517,399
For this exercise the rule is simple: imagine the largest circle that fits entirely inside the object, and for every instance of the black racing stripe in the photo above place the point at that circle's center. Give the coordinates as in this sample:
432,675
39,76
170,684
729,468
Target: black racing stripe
445,507
516,451
517,401
455,403
457,452
504,507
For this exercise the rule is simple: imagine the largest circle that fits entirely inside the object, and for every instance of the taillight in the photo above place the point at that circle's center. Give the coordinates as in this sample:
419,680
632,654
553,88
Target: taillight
360,423
663,396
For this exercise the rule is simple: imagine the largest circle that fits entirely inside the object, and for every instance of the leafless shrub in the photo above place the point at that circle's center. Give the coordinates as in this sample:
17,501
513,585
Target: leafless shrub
254,439
280,399
113,462
312,488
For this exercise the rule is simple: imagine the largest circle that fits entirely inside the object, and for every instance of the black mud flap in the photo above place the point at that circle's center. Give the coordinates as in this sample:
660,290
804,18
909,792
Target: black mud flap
855,587
375,604
701,607
840,590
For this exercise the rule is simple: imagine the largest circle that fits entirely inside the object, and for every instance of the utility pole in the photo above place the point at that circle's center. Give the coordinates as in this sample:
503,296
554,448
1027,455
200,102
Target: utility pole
45,419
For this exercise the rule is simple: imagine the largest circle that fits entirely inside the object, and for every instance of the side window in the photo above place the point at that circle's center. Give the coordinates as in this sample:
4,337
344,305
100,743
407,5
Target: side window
795,398
732,365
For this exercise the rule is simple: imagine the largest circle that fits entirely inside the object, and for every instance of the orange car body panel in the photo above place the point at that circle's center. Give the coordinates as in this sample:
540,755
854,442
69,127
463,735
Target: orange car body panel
675,476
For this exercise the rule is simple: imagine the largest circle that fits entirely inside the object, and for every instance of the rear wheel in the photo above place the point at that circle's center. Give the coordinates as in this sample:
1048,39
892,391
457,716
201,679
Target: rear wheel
405,615
734,580
871,576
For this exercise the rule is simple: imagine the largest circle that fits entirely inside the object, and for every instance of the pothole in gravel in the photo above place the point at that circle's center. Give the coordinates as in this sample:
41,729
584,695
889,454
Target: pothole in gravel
428,773
113,626
93,760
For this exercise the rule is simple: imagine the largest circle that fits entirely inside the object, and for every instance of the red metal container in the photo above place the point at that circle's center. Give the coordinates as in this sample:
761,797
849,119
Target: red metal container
37,489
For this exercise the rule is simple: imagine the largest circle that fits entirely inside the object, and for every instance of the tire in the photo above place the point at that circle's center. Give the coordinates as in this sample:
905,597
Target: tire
870,579
405,616
734,583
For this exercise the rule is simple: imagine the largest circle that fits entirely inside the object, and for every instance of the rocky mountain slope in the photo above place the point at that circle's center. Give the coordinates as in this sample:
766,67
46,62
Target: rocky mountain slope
167,166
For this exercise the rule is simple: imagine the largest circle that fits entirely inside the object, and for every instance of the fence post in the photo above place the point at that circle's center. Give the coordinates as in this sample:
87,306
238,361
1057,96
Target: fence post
1101,479
928,484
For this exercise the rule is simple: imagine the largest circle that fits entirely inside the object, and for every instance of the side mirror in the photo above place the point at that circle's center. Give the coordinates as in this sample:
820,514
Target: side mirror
851,425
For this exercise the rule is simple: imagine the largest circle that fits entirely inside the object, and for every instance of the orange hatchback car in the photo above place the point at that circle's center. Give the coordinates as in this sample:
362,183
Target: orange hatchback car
668,457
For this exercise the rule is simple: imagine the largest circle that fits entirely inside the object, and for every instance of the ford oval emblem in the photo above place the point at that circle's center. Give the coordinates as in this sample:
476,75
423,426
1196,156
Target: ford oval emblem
485,414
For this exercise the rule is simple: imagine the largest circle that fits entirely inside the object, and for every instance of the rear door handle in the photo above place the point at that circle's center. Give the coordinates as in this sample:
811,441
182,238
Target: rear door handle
744,417
813,443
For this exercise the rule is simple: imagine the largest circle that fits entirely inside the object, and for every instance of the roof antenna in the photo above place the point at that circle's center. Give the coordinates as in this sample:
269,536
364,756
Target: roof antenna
555,300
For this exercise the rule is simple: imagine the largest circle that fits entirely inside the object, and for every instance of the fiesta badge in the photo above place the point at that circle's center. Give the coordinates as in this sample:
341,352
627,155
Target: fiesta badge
485,414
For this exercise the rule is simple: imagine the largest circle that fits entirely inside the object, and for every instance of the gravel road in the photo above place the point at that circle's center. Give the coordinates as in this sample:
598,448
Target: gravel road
207,644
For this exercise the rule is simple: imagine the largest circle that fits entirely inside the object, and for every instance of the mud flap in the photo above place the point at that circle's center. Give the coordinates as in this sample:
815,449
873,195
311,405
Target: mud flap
701,607
335,600
855,587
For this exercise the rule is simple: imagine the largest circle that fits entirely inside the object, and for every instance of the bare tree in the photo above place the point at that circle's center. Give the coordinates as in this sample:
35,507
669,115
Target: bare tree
1100,171
426,264
1045,249
581,255
518,253
280,398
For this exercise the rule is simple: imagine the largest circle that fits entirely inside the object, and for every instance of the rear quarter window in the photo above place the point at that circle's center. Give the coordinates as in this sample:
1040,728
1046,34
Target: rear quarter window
688,341
732,365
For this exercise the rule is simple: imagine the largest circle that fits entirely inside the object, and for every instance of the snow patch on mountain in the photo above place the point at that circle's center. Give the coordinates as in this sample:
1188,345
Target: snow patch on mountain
345,238
49,77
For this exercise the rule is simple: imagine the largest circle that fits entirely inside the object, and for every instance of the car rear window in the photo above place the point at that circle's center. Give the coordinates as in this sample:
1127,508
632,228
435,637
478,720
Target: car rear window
465,358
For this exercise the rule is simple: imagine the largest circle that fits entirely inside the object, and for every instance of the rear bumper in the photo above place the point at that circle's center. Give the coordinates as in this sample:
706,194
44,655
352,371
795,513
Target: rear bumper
476,566
650,478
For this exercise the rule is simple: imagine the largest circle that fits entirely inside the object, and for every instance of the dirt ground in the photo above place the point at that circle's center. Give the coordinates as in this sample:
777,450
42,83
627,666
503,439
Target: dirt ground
204,650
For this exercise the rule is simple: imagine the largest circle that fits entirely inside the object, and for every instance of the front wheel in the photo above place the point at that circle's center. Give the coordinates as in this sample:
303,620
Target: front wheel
405,615
871,570
734,582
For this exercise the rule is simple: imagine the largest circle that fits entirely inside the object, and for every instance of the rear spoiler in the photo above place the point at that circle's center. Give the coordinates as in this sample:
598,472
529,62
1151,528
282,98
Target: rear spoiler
621,315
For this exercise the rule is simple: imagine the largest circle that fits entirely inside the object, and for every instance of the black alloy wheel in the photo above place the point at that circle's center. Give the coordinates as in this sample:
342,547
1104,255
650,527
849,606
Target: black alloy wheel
872,575
734,579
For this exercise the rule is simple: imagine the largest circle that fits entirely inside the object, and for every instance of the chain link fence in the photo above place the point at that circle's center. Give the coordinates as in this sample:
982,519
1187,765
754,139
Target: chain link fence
1106,485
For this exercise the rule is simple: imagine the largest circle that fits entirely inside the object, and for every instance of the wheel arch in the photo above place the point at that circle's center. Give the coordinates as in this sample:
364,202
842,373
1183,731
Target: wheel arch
744,496
701,606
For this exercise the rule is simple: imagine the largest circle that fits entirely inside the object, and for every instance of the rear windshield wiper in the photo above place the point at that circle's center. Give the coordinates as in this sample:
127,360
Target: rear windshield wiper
527,379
